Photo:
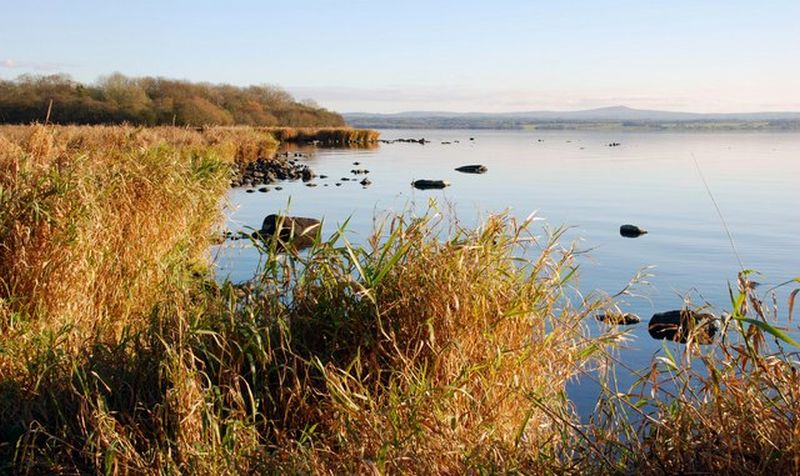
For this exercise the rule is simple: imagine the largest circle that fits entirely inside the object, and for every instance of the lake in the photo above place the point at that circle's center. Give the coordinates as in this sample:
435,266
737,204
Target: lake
574,178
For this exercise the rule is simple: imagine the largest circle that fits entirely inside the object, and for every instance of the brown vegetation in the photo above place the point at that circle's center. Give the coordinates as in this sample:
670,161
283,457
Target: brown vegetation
427,350
116,99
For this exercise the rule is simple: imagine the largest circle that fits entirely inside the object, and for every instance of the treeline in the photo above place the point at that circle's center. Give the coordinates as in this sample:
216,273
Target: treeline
118,99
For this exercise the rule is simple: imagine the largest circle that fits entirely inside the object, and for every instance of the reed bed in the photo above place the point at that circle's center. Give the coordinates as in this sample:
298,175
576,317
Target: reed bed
429,349
330,136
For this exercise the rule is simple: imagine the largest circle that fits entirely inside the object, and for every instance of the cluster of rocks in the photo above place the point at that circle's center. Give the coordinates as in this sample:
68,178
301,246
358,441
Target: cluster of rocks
267,171
614,144
422,141
679,326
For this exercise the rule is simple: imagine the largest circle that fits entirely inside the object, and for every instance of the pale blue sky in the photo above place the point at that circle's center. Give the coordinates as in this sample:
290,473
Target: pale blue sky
387,56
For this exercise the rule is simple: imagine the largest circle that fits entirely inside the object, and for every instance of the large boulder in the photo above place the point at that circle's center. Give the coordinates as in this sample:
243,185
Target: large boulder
680,325
299,232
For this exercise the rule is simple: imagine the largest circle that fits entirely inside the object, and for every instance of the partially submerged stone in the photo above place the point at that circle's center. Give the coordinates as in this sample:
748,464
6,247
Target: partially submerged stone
618,318
300,232
681,325
425,184
472,169
631,231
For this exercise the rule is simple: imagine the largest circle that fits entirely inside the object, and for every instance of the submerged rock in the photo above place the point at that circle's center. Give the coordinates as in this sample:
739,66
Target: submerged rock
300,232
618,318
631,231
472,169
680,325
425,184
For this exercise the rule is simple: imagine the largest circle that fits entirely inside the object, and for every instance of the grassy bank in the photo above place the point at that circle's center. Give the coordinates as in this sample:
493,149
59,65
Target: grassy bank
429,349
330,136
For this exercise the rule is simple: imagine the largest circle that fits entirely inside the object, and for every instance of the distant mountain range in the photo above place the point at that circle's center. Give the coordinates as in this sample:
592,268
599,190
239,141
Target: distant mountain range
616,116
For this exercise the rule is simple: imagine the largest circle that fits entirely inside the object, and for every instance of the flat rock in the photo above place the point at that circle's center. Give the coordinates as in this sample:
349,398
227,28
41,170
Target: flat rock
425,184
472,169
618,318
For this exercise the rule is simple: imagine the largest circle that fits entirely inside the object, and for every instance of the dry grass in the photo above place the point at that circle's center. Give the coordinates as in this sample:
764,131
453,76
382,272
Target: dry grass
330,136
430,349
728,408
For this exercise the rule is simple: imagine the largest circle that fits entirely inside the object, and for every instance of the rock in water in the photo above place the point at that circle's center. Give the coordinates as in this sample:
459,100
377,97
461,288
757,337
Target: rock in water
300,232
618,318
472,169
424,184
631,231
366,182
680,325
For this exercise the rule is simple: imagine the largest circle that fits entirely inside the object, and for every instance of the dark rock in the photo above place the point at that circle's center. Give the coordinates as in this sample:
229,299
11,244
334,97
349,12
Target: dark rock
472,169
311,184
631,231
263,190
366,182
299,232
356,163
278,188
618,318
322,177
338,184
680,325
614,144
345,179
250,190
424,184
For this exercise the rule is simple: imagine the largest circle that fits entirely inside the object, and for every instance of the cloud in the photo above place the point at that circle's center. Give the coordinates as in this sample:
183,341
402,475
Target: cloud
469,99
10,63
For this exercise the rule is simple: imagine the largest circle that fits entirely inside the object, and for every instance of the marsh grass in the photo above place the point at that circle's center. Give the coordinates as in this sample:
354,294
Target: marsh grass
727,408
330,136
431,348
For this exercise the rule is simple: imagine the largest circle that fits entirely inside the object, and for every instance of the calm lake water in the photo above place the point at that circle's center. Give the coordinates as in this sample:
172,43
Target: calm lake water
573,178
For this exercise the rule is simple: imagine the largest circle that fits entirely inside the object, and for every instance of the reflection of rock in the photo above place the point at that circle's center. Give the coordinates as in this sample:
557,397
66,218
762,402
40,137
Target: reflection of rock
618,318
300,232
631,231
680,325
472,169
424,184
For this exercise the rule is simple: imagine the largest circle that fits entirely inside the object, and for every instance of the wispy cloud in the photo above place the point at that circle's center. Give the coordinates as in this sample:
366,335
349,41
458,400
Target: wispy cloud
9,63
465,99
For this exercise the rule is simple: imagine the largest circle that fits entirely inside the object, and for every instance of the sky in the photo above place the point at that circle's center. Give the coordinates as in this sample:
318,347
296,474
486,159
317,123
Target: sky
391,56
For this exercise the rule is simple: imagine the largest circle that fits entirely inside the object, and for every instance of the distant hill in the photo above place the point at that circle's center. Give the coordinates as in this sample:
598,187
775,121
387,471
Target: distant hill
616,116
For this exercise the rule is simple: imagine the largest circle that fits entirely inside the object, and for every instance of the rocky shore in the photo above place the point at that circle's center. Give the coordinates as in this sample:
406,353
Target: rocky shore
268,171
